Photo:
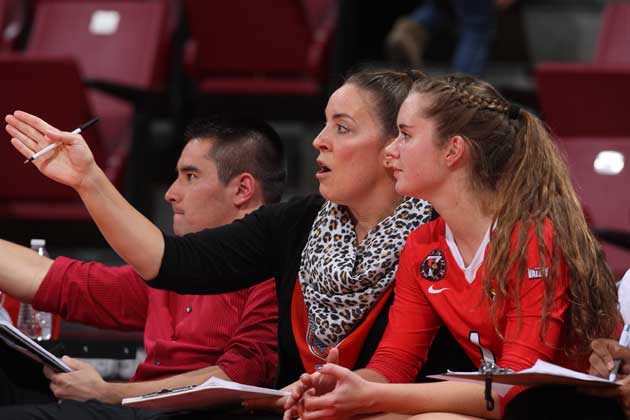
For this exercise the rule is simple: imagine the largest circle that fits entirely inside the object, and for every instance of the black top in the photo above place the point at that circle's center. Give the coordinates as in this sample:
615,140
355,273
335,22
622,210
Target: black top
266,243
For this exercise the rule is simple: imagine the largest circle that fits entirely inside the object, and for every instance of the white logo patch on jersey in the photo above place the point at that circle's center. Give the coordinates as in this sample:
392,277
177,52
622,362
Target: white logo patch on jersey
537,272
436,291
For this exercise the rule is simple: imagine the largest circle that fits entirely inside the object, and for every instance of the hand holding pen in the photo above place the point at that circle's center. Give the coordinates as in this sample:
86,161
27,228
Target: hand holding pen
624,341
52,146
72,165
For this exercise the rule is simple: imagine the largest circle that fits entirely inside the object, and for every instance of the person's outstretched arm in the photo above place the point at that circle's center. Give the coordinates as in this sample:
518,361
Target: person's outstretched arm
132,235
22,270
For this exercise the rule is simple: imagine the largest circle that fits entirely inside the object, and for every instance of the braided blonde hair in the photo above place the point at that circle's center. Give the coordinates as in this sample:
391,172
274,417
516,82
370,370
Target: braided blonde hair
514,157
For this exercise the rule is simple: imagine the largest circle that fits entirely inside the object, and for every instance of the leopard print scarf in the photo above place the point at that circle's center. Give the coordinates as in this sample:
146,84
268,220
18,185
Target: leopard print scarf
341,281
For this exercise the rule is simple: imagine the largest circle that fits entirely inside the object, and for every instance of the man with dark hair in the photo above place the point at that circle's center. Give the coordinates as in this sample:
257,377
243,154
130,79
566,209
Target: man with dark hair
226,170
245,146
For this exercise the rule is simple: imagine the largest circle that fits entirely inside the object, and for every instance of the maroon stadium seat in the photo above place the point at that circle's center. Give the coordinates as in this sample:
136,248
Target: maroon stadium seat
53,89
263,47
586,107
588,99
121,46
585,100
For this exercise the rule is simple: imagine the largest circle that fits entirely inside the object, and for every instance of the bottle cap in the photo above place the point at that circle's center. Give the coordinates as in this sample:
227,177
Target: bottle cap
38,243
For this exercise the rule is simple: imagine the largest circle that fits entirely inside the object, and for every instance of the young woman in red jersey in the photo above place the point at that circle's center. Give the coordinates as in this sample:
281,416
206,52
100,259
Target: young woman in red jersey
510,267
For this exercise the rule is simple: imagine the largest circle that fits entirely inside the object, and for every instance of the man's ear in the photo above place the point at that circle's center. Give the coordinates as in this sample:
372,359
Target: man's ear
244,188
455,151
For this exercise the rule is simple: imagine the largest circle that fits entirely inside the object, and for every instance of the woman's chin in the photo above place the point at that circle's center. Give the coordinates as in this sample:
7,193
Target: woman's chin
330,194
399,187
324,192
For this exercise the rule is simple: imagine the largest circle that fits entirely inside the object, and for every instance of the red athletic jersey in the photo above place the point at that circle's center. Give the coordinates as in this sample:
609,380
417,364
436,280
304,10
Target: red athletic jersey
431,290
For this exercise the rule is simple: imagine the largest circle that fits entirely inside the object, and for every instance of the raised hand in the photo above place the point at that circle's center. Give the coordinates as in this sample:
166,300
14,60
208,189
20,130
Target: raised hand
70,163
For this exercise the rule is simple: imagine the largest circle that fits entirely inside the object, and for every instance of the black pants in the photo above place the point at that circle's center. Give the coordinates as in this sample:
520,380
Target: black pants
561,402
24,395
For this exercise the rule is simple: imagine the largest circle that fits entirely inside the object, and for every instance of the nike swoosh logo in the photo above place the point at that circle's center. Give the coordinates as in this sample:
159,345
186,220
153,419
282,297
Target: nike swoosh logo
436,291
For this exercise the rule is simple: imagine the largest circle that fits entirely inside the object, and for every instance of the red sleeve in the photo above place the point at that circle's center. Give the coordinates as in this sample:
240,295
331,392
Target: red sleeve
251,354
93,294
523,344
411,328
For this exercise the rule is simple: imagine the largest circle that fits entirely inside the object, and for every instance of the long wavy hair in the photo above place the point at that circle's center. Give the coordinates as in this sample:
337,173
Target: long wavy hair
515,158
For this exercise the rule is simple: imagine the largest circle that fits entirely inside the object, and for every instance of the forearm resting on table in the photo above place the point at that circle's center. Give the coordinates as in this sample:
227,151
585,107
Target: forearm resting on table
138,241
21,271
452,397
117,391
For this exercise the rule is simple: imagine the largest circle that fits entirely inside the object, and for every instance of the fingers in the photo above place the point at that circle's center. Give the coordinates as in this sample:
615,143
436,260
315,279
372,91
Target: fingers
56,382
20,147
313,403
296,394
293,401
29,142
333,356
48,373
26,130
289,415
335,370
602,358
308,380
75,363
55,389
293,411
34,122
63,137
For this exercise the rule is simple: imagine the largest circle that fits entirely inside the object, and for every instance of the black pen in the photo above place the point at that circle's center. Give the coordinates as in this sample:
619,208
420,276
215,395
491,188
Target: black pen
52,146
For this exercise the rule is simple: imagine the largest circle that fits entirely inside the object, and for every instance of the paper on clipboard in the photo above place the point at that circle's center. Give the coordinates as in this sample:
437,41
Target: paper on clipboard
214,392
542,373
22,343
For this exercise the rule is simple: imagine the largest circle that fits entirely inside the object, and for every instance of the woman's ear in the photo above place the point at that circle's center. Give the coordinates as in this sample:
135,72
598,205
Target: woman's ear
455,150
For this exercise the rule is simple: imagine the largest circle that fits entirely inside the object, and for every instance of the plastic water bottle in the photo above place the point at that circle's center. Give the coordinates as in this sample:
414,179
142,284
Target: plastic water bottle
4,315
36,324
